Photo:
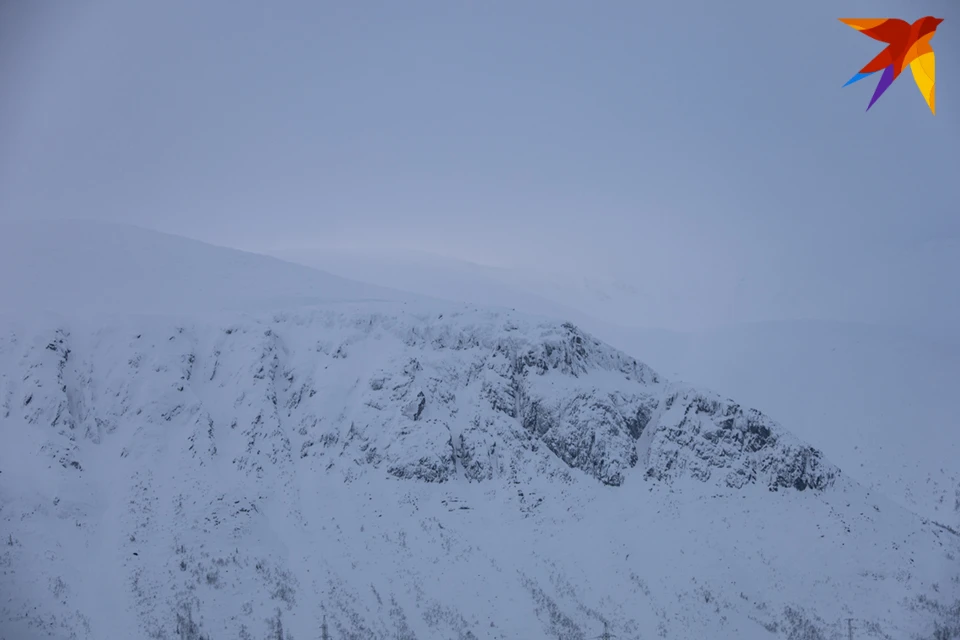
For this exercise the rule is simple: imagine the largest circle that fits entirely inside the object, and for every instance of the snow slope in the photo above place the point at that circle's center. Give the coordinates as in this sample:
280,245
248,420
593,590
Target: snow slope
418,470
879,401
639,290
416,476
440,277
89,267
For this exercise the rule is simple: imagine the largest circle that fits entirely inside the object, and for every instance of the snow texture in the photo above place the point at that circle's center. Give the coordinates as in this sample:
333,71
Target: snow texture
878,401
418,470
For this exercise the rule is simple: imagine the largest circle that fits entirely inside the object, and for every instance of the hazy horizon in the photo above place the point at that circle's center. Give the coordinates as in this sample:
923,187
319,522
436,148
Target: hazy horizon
703,154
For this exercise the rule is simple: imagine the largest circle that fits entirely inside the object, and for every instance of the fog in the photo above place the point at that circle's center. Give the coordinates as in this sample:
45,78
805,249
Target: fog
704,154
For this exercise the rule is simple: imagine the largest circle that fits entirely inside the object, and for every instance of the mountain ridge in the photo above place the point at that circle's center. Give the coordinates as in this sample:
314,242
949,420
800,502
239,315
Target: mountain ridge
123,269
874,397
234,434
409,469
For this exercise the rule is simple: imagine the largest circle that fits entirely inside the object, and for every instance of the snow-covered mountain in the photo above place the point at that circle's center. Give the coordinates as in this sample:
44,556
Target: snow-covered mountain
877,400
84,267
401,468
440,277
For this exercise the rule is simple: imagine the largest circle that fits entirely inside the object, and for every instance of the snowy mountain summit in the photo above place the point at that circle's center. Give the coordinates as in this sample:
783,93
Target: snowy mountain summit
416,470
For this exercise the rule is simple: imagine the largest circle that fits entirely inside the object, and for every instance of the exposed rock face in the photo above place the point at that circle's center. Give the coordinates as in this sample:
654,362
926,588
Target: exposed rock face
405,475
479,400
550,387
705,437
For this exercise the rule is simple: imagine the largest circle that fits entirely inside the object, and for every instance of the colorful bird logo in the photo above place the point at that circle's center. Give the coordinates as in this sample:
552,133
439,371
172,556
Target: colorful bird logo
907,44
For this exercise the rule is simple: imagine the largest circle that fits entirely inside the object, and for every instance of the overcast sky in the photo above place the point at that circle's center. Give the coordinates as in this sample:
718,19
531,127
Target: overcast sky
660,142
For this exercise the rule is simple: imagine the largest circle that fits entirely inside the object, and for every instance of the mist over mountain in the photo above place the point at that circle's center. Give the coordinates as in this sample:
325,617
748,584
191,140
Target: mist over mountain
878,399
387,466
